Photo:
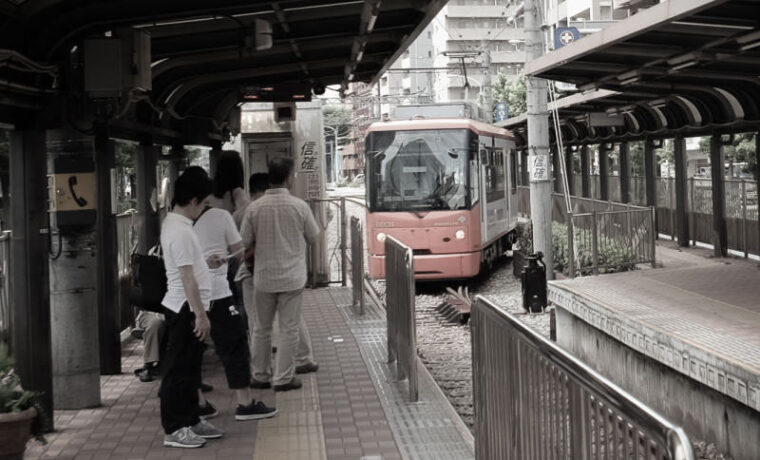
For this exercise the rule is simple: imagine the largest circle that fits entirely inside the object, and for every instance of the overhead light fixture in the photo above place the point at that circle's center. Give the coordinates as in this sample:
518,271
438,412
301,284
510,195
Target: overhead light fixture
683,66
683,61
749,41
750,46
658,103
628,78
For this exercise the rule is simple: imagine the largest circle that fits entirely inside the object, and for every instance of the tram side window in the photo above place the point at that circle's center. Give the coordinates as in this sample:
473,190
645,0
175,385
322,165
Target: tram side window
495,186
513,169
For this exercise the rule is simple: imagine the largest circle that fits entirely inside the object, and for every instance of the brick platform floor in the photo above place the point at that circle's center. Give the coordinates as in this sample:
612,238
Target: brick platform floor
339,414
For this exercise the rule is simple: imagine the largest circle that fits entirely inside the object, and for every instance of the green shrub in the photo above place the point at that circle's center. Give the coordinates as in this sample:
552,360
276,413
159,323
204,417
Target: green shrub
618,256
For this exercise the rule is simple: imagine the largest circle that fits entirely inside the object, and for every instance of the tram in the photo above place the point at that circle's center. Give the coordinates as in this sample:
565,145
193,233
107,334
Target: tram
447,188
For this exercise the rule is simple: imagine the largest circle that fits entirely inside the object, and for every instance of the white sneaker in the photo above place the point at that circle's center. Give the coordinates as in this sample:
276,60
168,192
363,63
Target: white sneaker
206,430
185,438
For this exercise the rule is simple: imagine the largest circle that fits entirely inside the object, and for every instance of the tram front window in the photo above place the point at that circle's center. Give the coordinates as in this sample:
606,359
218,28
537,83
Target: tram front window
423,170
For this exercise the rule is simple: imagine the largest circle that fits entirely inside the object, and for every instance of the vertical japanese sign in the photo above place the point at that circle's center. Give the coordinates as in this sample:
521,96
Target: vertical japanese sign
309,166
539,168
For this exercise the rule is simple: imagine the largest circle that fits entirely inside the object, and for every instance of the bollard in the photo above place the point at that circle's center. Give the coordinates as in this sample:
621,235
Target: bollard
534,284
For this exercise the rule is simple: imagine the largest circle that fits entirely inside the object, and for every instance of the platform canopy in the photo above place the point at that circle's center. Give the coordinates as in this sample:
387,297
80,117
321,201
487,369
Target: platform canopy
204,53
681,66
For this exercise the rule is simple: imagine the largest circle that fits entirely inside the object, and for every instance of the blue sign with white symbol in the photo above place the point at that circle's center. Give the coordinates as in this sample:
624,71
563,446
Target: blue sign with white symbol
500,111
565,35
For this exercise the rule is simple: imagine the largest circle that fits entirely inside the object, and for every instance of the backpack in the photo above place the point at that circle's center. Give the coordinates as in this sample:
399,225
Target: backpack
148,284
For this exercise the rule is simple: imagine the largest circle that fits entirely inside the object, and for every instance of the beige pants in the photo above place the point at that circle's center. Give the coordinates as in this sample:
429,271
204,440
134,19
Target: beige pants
153,329
303,354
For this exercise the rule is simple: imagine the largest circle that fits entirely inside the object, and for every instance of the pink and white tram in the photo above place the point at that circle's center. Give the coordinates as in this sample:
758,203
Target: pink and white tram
446,188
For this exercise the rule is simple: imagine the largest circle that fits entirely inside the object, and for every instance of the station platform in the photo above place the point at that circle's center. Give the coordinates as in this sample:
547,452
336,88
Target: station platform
352,408
685,338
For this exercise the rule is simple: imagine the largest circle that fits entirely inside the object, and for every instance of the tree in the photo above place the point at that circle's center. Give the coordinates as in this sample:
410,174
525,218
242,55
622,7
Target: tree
741,150
511,89
339,118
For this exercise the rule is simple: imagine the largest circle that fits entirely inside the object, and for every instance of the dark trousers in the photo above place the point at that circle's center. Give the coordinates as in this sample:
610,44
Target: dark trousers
231,341
181,367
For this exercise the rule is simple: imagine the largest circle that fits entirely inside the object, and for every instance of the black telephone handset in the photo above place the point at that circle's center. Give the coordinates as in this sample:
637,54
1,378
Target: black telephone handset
80,201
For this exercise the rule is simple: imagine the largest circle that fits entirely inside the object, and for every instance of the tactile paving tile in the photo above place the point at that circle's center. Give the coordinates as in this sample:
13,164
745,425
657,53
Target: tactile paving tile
427,429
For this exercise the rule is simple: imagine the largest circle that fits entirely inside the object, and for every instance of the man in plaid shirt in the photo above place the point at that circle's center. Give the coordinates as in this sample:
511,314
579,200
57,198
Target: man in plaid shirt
278,227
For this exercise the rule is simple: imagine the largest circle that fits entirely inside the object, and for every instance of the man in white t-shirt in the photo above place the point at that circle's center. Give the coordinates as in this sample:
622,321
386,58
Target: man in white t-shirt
185,304
220,241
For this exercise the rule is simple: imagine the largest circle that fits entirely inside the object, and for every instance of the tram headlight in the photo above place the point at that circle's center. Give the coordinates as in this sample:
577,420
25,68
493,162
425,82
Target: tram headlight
381,237
459,234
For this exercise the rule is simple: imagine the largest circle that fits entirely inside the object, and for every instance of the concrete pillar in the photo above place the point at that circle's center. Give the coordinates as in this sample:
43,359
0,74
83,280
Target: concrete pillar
147,195
682,217
757,179
108,274
569,162
585,172
524,167
30,309
720,231
625,174
213,160
604,171
73,290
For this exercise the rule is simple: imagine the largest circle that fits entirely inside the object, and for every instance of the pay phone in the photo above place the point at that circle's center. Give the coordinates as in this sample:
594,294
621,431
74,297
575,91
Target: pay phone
73,189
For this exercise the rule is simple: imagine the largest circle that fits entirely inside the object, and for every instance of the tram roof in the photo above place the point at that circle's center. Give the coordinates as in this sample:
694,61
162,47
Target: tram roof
204,60
681,66
440,123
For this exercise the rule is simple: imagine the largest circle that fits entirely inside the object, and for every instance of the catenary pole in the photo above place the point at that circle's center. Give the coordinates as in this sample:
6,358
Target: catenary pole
538,141
486,86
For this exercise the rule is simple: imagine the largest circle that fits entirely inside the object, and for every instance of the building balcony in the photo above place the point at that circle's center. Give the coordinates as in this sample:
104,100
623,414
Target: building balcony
483,33
481,11
507,57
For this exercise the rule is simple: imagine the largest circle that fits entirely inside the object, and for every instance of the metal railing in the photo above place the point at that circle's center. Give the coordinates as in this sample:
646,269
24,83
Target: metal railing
609,241
535,401
334,228
400,312
5,287
357,264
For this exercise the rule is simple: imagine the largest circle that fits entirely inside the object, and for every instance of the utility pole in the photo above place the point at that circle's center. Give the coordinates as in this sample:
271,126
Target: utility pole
485,88
538,141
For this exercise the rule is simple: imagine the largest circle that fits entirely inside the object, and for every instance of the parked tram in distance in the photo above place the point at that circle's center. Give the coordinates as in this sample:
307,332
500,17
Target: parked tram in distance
447,188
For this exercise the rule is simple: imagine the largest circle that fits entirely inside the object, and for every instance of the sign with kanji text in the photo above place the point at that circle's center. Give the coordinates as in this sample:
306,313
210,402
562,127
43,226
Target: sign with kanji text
539,168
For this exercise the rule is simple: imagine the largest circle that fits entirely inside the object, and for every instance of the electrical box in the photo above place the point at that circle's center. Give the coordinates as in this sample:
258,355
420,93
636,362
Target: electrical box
136,55
103,67
73,192
284,111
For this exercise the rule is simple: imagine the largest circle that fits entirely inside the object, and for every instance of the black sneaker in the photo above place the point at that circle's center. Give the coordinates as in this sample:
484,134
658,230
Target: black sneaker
306,368
257,410
294,384
208,411
205,387
258,384
148,374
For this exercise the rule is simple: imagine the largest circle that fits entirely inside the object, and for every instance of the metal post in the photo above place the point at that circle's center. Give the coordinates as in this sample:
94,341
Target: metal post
570,245
594,242
569,163
625,174
538,141
744,219
585,172
650,179
653,235
604,171
147,195
720,232
343,245
693,216
757,185
682,217
556,171
30,310
107,254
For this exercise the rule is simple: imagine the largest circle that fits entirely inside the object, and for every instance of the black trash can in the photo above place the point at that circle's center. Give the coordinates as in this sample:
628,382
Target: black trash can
534,283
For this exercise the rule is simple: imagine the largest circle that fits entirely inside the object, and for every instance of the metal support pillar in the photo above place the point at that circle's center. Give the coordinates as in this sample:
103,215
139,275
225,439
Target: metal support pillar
625,174
757,180
569,163
682,216
213,160
720,231
650,178
485,89
524,167
147,195
585,172
604,171
108,275
556,171
30,310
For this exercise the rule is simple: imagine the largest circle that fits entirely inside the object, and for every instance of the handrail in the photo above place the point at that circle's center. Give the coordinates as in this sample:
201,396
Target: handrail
357,264
535,400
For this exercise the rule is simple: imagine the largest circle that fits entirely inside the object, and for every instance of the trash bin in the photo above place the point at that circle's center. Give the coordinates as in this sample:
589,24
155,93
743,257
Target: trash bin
534,284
